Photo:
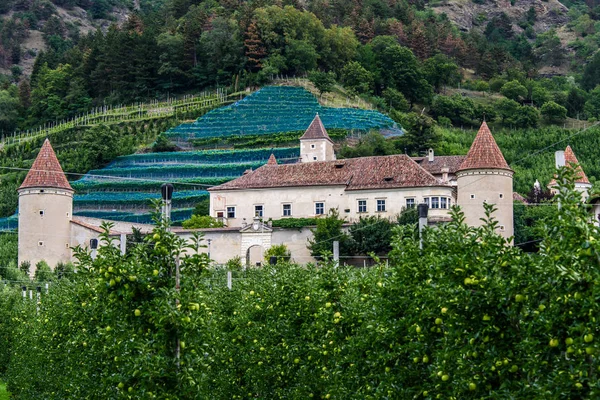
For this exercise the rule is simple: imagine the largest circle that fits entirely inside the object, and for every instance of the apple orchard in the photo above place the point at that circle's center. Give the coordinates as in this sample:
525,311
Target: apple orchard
468,316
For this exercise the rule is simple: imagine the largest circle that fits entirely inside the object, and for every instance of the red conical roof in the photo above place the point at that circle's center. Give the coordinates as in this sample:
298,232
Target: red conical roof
484,152
272,160
46,171
316,130
570,159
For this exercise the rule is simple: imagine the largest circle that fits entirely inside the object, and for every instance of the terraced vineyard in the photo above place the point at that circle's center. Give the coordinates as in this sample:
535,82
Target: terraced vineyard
275,109
124,190
278,115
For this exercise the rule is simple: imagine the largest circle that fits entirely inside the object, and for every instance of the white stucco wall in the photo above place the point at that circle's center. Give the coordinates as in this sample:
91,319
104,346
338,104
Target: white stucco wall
322,150
44,226
303,200
493,186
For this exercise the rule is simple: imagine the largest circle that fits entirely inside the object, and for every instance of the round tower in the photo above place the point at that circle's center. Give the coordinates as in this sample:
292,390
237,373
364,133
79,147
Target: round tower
45,212
485,177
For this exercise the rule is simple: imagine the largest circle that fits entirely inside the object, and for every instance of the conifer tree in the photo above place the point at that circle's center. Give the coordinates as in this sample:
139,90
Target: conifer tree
255,49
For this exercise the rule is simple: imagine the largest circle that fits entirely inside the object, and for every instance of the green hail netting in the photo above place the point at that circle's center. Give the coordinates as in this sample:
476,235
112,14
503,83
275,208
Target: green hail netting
124,190
279,109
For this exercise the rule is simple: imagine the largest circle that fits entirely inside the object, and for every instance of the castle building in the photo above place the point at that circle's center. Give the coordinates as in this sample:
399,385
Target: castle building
356,187
382,185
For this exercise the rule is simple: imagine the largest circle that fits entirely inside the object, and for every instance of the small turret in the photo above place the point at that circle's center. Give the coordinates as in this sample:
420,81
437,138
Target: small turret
567,158
485,177
45,212
315,144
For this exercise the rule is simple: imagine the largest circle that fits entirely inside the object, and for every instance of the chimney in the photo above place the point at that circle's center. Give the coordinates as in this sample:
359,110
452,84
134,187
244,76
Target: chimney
445,171
430,152
559,157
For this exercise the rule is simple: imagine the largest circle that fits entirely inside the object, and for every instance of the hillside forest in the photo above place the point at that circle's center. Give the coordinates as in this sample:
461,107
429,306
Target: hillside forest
398,54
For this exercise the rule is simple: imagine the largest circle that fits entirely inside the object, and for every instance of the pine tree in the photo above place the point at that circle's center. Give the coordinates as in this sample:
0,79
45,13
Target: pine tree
24,94
419,42
255,49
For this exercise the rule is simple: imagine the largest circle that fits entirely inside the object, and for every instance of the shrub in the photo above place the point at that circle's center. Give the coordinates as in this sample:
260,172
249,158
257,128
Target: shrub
554,113
202,222
280,252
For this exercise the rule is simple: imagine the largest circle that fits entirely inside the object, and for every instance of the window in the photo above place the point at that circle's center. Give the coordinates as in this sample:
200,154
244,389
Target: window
258,211
362,206
287,210
438,202
472,196
230,212
312,146
410,203
502,228
220,214
40,243
315,158
319,208
381,205
42,213
501,195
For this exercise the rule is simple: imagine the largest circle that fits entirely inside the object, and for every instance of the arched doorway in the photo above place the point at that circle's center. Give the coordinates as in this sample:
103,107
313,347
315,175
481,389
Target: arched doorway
256,238
255,256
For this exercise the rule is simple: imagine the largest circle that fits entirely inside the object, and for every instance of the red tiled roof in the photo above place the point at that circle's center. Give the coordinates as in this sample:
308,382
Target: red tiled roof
518,197
316,130
484,152
46,171
570,159
384,172
272,160
435,167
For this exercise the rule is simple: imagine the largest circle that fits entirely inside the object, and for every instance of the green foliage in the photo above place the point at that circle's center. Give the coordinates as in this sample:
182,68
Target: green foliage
372,234
470,316
372,144
591,74
203,207
548,48
328,230
395,99
323,81
514,90
234,264
280,251
43,272
8,251
408,216
163,144
554,113
440,71
356,78
9,112
130,300
201,222
420,132
294,223
459,109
